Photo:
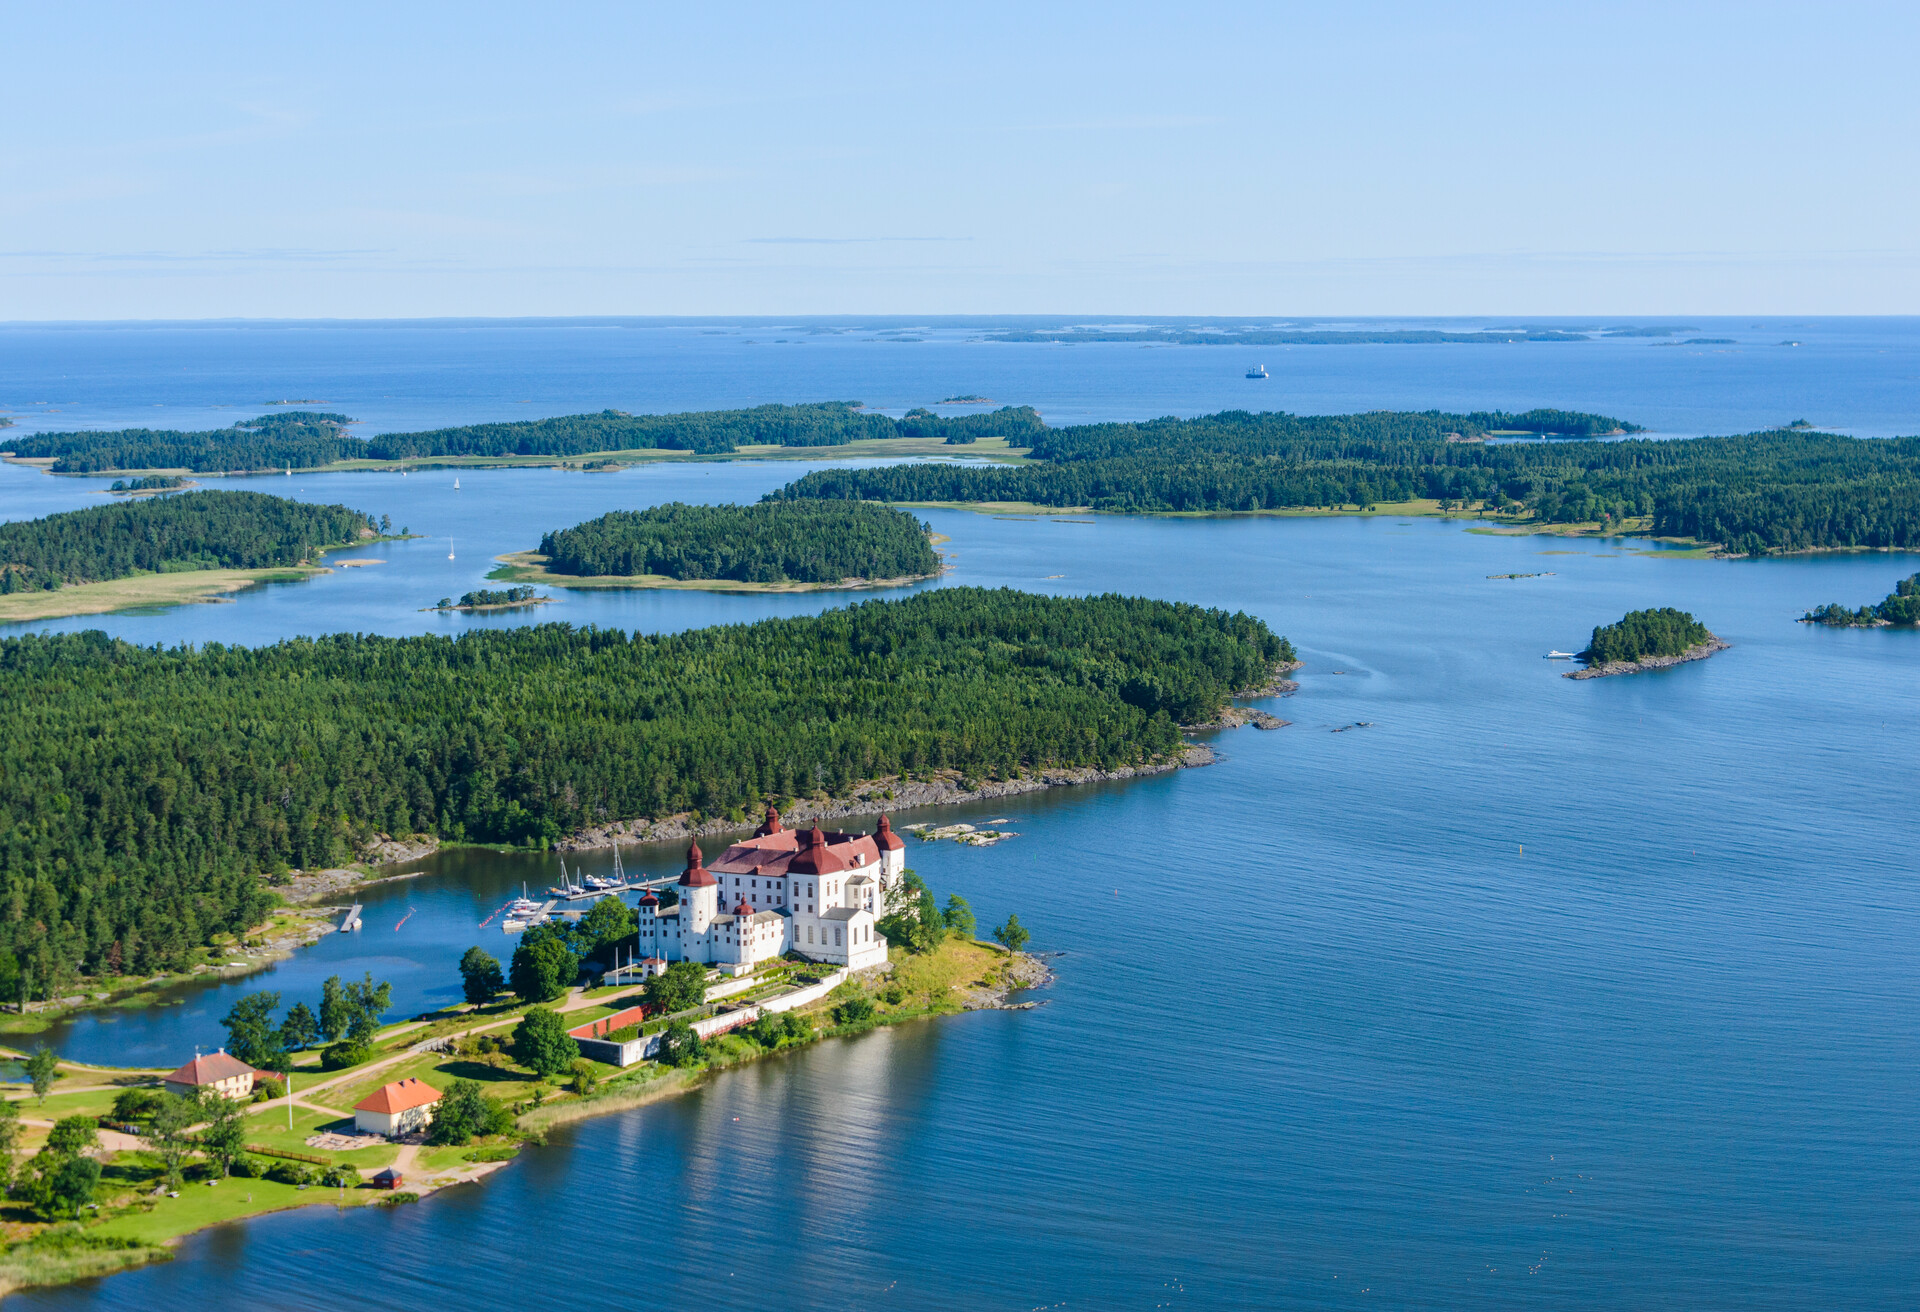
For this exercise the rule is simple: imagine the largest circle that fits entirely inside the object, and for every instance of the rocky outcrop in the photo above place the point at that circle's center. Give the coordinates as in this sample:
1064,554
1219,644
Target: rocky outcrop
1232,717
1022,972
889,795
1611,668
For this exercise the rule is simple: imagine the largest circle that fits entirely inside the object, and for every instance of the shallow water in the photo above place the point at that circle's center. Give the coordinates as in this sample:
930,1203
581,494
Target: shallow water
1535,993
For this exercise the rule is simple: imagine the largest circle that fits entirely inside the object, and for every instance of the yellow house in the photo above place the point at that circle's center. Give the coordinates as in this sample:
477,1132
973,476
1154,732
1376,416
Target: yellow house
218,1072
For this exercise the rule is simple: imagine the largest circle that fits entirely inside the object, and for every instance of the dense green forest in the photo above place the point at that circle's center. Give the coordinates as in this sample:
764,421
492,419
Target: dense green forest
1644,633
1901,606
303,439
1784,490
144,790
772,542
287,439
196,530
151,483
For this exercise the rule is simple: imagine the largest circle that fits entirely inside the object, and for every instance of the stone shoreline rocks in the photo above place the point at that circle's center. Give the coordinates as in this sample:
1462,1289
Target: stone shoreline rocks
1695,653
944,789
1023,972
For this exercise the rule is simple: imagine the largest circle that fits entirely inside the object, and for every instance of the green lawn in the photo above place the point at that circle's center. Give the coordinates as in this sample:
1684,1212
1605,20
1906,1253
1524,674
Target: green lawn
154,1221
269,1129
96,1103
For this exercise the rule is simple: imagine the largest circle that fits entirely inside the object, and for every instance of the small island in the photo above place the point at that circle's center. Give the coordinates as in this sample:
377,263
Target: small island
1901,607
151,485
152,551
494,599
773,546
1646,640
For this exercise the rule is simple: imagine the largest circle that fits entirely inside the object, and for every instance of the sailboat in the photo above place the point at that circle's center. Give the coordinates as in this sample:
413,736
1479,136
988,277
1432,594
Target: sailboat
449,548
456,485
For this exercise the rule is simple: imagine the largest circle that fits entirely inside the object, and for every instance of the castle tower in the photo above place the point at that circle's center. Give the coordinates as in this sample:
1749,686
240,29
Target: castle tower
893,856
772,825
699,899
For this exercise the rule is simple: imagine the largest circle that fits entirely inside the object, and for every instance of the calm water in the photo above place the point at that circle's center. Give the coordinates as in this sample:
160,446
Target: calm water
1533,994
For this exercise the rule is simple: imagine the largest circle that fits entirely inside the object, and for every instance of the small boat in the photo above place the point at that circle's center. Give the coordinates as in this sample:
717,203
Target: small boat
449,548
456,485
1258,371
1561,655
289,471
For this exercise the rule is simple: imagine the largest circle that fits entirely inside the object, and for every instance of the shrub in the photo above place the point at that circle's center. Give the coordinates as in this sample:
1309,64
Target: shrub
854,1010
625,1034
680,1046
290,1173
345,1053
340,1177
493,1152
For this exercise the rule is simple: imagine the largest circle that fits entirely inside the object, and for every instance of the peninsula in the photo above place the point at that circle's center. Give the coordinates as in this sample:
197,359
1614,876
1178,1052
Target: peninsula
1646,640
771,546
165,550
143,853
1900,607
1758,494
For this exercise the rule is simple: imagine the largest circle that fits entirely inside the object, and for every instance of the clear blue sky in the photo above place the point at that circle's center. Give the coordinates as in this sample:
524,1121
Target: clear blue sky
472,159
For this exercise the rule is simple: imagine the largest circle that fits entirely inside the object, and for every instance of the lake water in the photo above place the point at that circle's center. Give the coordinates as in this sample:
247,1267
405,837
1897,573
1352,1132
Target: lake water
1533,993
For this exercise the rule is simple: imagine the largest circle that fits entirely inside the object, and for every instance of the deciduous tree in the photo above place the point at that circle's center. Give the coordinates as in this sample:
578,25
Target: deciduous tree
541,1042
480,977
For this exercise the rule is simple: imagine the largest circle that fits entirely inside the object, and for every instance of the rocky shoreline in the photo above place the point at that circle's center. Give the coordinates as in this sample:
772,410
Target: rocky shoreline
1611,668
943,788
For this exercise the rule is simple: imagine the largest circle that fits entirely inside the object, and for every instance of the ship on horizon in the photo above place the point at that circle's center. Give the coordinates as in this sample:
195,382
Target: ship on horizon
1258,371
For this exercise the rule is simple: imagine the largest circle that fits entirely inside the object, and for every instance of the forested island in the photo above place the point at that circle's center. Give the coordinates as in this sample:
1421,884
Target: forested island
189,533
291,438
492,599
1901,606
146,791
773,542
305,439
1783,490
151,483
1646,640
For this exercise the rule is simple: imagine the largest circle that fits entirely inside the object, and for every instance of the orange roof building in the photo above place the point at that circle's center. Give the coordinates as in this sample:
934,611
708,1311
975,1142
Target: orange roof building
402,1107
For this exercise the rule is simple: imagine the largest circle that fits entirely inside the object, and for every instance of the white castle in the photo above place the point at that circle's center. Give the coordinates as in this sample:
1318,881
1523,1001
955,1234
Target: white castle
815,893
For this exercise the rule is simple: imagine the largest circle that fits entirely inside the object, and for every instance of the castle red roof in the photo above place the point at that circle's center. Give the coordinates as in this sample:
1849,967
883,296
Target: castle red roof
772,825
786,852
886,839
744,909
816,858
647,899
695,875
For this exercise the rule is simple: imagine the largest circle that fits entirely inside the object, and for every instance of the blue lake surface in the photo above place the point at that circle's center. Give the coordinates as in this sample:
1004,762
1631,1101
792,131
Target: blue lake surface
1534,993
